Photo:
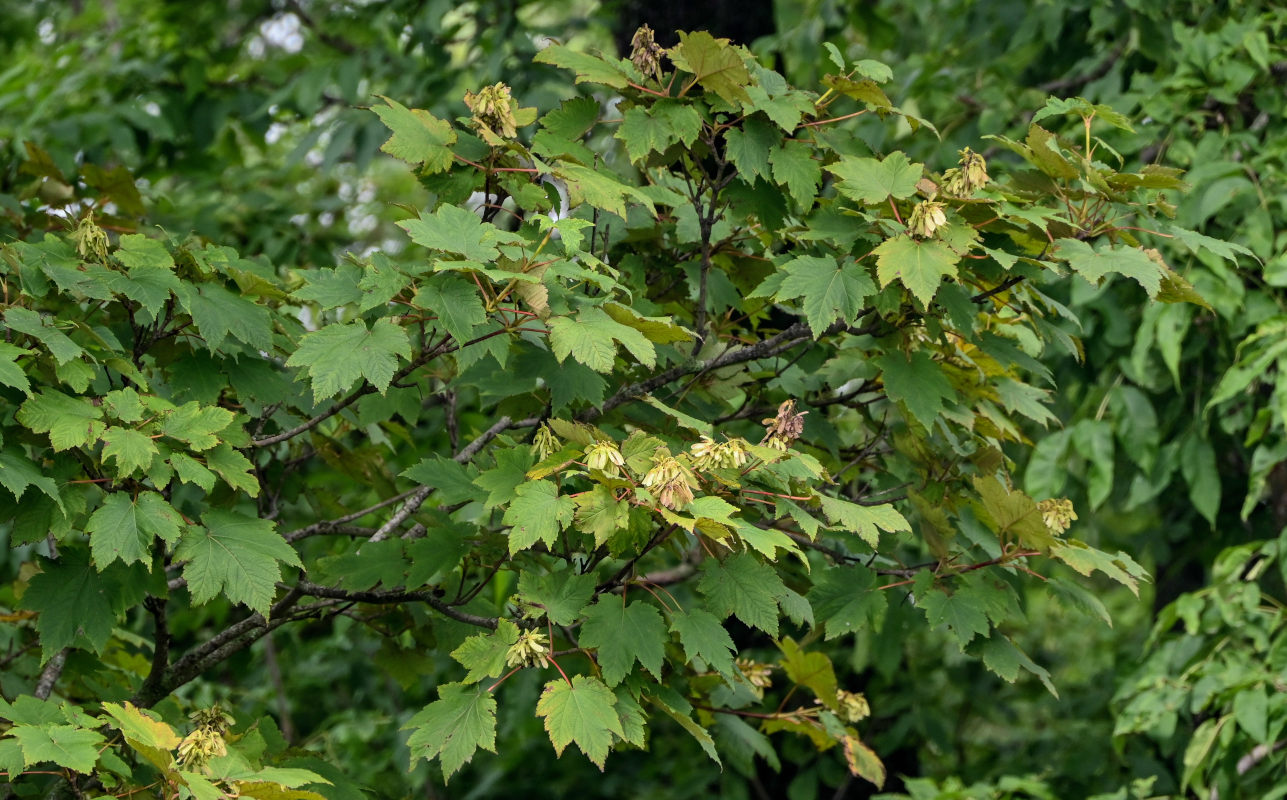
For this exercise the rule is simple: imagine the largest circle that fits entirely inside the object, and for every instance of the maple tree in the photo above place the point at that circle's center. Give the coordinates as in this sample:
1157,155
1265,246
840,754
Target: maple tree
674,384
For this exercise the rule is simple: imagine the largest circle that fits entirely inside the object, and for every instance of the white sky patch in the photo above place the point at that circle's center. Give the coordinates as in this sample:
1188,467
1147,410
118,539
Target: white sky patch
283,31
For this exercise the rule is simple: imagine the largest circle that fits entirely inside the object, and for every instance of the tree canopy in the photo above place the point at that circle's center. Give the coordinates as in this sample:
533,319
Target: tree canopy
424,397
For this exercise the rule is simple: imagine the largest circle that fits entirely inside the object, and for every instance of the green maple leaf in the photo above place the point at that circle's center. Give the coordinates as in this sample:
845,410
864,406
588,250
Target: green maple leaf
600,514
920,265
456,303
418,136
218,313
234,468
150,277
583,712
591,338
831,291
124,528
69,421
811,670
1012,514
748,147
600,188
573,118
588,68
1093,264
1086,559
11,374
794,168
196,425
679,709
24,320
453,229
846,600
136,250
453,727
653,129
191,471
131,449
745,588
339,355
65,745
77,605
381,282
704,637
501,481
125,405
451,481
714,64
537,514
870,181
1004,658
331,288
236,556
623,635
866,521
17,472
149,286
962,614
484,654
781,104
917,382
560,596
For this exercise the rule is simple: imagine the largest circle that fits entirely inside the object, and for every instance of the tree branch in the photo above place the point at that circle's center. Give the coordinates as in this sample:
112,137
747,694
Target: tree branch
394,597
50,674
418,496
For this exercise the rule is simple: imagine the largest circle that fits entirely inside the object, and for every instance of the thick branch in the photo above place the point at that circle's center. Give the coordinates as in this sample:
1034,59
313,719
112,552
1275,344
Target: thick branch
160,645
49,675
222,646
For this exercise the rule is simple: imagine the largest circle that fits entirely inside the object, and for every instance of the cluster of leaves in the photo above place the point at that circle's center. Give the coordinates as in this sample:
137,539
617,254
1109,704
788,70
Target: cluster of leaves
191,427
206,764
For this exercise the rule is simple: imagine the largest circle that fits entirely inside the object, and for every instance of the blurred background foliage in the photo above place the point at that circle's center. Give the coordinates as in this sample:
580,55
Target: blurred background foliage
245,122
